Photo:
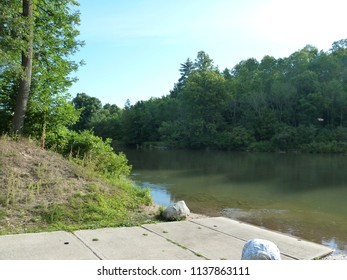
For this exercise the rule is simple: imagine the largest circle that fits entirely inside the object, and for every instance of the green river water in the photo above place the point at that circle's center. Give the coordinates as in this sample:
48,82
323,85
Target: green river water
298,194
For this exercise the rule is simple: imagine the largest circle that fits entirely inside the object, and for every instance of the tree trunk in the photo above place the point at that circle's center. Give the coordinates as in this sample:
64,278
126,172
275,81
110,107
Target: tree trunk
25,80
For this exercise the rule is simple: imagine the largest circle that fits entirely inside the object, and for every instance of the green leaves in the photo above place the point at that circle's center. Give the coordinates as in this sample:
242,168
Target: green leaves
12,31
92,152
54,40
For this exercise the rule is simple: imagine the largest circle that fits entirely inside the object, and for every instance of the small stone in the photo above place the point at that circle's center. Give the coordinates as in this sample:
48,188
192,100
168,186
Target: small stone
177,211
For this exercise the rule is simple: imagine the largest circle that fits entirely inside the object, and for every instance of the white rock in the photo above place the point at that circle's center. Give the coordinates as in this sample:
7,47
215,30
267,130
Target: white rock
176,211
260,249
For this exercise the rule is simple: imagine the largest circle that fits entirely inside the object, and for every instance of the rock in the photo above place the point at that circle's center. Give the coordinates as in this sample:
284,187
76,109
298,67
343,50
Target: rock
260,249
177,211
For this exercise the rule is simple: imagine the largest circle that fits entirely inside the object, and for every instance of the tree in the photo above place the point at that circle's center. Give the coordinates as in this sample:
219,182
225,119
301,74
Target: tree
202,103
11,26
339,52
44,35
203,62
106,122
89,106
185,70
27,60
49,114
246,77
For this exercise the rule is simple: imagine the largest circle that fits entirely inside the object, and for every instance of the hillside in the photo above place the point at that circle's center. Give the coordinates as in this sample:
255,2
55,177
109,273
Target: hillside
42,191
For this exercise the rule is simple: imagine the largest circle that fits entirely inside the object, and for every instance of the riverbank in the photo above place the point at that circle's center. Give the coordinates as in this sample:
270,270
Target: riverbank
333,256
42,191
154,209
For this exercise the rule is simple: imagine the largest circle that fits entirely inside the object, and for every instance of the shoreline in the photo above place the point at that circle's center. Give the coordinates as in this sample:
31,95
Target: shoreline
333,256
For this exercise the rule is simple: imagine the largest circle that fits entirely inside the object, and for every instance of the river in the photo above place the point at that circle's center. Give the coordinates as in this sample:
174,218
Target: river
298,194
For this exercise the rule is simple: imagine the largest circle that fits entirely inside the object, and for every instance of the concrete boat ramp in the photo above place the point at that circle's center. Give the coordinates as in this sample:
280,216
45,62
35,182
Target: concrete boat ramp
196,239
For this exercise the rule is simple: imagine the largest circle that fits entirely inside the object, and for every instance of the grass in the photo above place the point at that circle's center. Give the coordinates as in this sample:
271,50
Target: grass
186,248
42,191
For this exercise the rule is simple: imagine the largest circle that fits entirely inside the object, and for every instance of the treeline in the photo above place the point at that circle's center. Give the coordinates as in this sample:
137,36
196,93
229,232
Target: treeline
293,103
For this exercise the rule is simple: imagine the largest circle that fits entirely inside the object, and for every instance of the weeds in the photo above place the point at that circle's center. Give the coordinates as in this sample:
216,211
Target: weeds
41,170
2,213
54,213
12,187
41,191
34,189
161,210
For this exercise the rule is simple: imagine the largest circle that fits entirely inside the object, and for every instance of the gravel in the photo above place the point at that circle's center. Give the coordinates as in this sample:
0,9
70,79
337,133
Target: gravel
335,256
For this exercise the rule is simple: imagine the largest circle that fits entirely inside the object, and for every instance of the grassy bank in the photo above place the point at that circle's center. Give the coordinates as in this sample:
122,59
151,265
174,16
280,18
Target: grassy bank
42,191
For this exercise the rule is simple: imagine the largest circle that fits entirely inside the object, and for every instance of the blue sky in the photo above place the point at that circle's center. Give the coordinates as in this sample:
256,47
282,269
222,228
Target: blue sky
134,48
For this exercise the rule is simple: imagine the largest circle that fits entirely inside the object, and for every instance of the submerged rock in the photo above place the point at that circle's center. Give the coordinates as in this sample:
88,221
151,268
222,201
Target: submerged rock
260,249
177,211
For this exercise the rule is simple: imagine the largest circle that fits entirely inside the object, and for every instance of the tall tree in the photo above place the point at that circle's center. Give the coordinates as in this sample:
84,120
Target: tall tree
27,61
89,106
41,35
203,62
185,70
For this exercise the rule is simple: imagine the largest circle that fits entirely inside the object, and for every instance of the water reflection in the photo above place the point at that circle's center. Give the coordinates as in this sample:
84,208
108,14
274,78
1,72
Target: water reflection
159,193
302,195
337,245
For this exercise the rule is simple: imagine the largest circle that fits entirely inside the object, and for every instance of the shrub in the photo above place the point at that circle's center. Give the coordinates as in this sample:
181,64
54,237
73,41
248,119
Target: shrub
341,134
238,138
306,134
91,151
329,147
241,138
58,141
285,139
261,146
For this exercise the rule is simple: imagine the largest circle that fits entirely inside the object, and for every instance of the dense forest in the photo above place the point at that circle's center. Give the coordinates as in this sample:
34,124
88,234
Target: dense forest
293,103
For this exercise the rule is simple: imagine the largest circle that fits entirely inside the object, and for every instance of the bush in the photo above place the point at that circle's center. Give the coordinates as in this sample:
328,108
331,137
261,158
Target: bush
58,141
329,147
324,135
238,138
241,138
90,151
341,134
285,139
262,146
306,134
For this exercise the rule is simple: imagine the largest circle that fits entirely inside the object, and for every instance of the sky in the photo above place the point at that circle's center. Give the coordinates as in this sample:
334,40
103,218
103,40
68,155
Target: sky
134,48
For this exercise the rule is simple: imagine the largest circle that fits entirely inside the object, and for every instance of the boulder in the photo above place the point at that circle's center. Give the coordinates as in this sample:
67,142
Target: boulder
177,211
260,249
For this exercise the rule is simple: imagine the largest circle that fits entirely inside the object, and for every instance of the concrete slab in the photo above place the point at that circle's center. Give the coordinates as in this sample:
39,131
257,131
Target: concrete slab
288,245
58,245
207,238
132,243
199,239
